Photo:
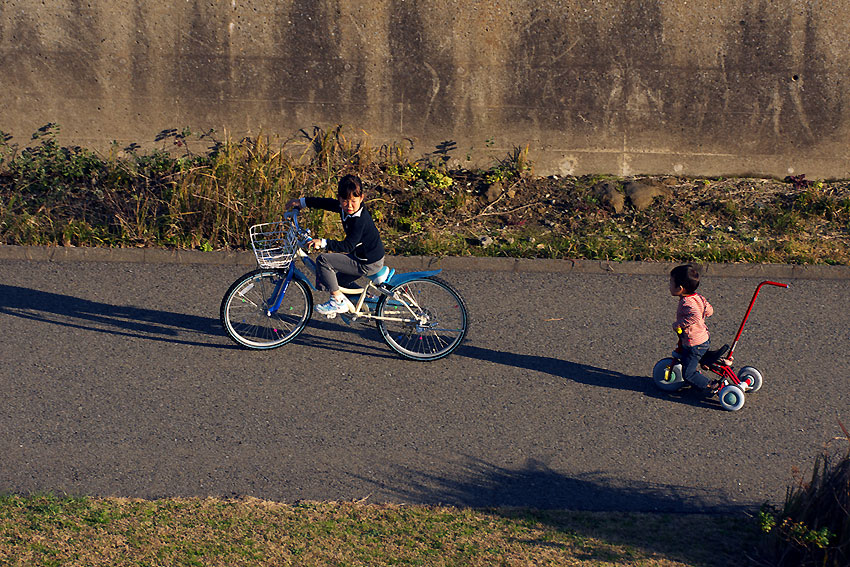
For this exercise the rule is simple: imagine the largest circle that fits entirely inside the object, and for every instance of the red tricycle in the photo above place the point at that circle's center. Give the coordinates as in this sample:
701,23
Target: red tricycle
667,373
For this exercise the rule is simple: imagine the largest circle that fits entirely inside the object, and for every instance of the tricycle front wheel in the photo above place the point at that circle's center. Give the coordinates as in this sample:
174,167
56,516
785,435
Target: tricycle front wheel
752,377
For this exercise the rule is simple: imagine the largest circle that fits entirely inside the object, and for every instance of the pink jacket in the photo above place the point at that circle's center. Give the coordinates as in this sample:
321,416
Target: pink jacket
690,316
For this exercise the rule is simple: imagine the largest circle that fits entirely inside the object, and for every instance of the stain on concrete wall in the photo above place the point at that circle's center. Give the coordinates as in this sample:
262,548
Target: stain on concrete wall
201,74
621,86
583,66
40,49
310,67
422,72
613,78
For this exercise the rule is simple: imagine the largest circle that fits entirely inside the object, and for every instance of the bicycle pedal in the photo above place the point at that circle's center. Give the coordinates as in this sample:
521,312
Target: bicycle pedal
330,315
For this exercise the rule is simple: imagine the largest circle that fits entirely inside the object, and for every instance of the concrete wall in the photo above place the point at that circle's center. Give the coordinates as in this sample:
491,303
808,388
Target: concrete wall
699,87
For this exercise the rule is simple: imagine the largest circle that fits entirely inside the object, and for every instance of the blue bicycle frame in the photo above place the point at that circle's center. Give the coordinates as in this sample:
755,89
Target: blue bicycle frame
395,279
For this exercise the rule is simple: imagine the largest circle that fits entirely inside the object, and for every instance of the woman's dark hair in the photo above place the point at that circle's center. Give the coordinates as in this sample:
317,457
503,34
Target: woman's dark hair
686,276
349,186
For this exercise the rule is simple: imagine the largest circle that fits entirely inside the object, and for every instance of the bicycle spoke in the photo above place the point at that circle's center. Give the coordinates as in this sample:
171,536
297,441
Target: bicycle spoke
245,310
438,325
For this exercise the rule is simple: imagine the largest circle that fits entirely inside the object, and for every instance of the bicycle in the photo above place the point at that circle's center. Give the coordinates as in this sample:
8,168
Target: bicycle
419,316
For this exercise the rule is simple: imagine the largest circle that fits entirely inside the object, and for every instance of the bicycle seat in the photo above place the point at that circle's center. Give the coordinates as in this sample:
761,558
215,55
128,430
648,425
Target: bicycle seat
714,356
382,275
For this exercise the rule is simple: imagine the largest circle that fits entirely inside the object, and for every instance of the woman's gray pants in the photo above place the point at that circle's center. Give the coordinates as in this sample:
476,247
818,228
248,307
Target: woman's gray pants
331,264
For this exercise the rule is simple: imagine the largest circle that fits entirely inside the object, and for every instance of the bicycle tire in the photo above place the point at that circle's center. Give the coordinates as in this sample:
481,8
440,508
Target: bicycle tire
446,319
244,310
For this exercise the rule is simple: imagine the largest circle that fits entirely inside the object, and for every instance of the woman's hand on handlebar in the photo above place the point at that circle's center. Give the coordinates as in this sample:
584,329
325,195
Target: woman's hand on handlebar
294,204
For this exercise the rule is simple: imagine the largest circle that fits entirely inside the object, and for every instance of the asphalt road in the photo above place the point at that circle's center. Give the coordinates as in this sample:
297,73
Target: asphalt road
117,380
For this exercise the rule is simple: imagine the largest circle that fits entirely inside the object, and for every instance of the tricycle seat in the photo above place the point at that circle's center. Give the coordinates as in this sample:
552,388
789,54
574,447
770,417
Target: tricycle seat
716,357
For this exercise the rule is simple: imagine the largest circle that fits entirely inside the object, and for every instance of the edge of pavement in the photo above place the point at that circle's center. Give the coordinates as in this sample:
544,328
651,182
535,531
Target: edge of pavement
416,263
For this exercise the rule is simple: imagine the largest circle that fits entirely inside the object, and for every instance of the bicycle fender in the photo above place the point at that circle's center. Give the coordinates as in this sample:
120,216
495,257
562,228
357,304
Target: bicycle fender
399,279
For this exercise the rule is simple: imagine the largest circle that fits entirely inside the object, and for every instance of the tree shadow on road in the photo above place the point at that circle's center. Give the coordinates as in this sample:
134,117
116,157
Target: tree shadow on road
76,313
475,483
535,492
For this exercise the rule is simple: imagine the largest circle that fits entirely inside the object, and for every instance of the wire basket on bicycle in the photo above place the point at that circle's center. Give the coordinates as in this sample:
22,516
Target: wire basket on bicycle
274,243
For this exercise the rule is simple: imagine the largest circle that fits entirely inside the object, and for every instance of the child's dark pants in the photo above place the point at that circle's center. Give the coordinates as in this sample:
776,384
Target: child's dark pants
691,356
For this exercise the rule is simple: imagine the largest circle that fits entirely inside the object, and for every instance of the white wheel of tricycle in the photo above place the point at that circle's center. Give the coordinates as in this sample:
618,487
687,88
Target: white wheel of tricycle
667,375
731,398
752,377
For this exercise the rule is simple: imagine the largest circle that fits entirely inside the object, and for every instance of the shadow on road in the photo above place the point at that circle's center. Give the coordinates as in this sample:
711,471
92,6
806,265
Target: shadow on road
168,326
73,312
582,373
367,341
535,492
480,484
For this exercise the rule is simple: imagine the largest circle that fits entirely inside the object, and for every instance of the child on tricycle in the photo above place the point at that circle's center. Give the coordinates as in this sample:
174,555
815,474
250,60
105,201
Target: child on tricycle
691,354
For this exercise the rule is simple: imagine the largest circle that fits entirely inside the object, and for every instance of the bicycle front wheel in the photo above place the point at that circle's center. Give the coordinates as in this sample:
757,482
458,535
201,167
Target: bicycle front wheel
424,319
245,310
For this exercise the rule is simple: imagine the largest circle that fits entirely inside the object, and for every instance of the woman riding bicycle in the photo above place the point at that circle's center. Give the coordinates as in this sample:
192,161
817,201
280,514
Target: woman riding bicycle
361,253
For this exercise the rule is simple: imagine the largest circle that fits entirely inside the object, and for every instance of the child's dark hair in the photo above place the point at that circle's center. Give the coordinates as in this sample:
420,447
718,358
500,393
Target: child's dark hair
349,186
685,276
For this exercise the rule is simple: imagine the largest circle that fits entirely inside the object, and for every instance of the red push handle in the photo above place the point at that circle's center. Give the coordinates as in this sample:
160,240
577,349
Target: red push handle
741,328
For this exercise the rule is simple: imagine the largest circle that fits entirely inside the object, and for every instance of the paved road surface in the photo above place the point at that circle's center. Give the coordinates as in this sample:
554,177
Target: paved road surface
118,380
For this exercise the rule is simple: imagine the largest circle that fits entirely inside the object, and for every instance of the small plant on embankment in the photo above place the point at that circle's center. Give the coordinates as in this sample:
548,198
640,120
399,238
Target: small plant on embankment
196,191
813,526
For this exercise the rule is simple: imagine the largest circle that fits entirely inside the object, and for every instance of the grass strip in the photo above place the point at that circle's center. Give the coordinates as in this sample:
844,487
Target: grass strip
49,530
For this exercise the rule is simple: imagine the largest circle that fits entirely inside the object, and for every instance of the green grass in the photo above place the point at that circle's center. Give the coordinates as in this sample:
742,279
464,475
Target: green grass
48,530
197,192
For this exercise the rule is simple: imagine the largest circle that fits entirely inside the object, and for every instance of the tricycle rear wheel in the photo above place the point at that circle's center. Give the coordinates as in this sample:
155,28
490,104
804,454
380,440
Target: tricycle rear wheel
667,374
731,398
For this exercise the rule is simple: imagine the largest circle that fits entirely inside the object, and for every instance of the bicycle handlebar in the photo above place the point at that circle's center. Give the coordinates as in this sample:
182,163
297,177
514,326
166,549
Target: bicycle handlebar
303,233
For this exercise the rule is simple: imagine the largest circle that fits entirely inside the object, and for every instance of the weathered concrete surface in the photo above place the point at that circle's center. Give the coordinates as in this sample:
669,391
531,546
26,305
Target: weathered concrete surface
619,86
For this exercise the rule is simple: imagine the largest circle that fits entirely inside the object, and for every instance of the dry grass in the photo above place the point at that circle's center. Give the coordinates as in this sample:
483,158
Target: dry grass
89,531
207,197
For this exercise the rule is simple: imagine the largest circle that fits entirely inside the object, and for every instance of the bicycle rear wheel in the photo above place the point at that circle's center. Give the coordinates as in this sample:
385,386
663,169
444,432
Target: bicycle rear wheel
429,319
245,310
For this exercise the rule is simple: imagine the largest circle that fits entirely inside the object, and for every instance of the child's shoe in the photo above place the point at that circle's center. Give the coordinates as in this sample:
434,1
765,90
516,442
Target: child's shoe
334,306
713,387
